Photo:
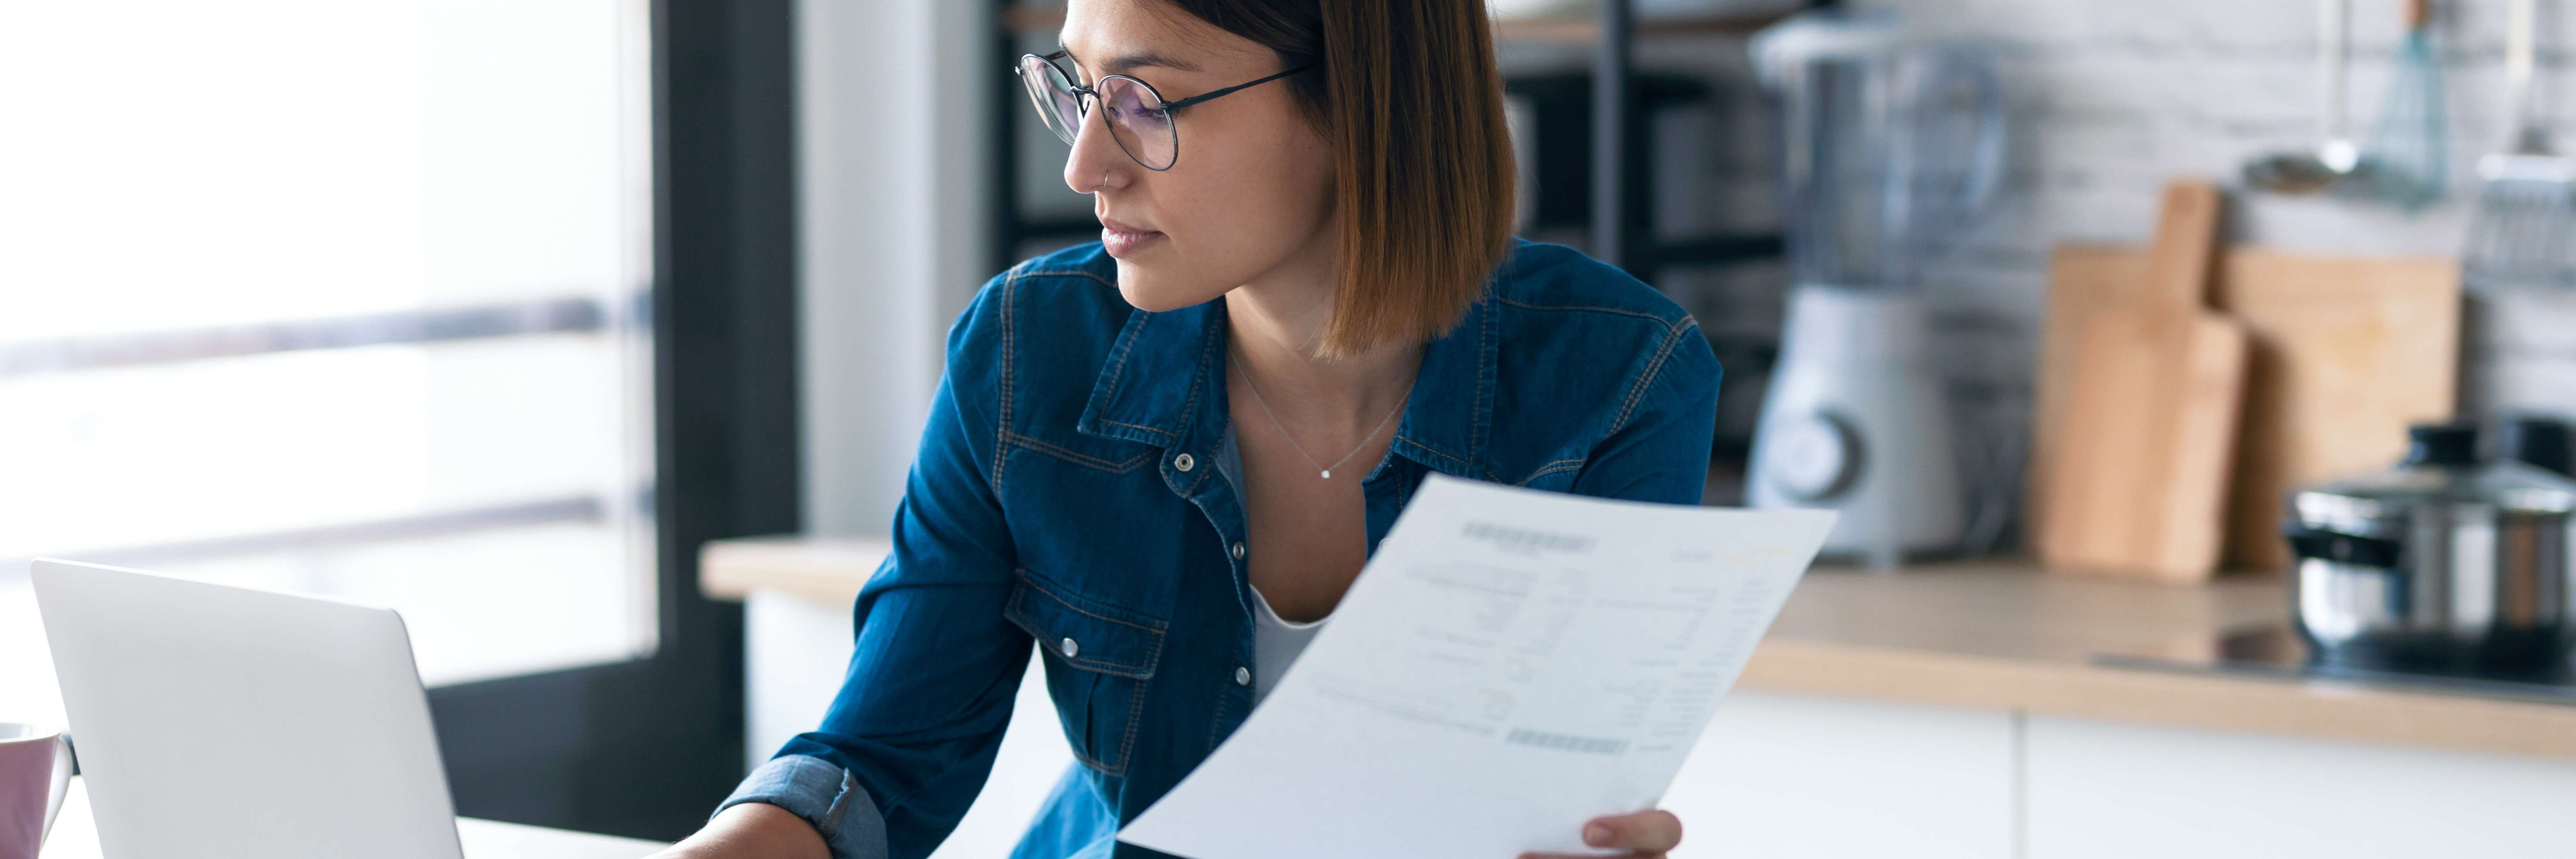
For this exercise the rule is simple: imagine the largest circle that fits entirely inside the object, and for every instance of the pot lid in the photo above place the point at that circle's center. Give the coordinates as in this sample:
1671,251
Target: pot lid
2441,468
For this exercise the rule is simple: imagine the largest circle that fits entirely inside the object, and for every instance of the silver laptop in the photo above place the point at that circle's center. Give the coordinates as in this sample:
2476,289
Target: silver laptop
221,721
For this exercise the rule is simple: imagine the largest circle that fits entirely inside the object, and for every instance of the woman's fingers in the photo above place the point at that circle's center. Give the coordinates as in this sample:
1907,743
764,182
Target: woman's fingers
1639,834
1645,831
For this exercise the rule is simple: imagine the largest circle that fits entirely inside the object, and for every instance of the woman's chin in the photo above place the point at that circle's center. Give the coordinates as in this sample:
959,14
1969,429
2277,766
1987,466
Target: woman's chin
1145,291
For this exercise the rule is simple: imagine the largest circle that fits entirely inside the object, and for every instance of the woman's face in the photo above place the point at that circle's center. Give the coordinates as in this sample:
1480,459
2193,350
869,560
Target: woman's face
1251,193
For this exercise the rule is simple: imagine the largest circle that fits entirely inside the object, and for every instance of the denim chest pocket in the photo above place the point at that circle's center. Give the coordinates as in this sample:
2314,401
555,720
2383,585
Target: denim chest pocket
1099,660
1556,476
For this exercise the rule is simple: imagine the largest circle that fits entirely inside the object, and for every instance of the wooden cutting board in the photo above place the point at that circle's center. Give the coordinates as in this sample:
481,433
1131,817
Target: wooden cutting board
2082,280
2347,352
2143,433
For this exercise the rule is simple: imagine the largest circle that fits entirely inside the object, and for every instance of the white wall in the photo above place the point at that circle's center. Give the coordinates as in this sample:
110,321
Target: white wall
892,107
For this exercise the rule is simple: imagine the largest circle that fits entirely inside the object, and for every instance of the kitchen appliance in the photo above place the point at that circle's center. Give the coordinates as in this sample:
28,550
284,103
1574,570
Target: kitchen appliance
1645,10
1888,144
2280,653
2446,561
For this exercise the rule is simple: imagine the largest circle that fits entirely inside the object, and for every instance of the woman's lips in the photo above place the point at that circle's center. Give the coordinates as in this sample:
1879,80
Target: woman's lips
1121,239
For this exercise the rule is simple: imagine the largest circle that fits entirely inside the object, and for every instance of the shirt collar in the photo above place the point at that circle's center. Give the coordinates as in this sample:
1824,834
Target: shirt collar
1163,384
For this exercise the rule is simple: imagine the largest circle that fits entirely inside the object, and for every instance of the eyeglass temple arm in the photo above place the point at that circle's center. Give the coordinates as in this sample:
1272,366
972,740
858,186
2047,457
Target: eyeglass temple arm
1177,105
1173,105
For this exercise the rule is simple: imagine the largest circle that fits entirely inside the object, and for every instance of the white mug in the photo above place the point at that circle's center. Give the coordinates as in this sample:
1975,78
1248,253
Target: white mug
30,756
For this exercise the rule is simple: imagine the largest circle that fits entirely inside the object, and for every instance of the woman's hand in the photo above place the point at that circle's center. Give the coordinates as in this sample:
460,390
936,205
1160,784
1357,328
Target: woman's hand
1645,833
751,829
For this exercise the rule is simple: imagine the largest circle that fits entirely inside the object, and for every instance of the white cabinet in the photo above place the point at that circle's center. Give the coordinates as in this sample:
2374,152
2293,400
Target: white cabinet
1785,777
2106,791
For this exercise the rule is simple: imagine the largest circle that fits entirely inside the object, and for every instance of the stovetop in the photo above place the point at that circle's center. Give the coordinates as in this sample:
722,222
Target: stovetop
2278,653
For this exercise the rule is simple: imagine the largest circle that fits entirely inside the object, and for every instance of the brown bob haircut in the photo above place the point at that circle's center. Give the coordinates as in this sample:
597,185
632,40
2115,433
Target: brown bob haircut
1407,95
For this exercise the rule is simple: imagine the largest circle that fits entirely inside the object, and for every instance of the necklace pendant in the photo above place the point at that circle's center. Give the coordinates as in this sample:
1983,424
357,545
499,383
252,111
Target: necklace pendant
1328,474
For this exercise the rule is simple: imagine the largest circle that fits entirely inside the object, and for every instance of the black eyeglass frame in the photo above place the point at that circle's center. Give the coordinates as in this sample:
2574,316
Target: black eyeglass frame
1091,95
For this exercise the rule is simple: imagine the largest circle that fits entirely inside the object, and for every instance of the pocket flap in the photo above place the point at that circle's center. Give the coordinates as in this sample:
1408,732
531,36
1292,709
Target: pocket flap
1084,632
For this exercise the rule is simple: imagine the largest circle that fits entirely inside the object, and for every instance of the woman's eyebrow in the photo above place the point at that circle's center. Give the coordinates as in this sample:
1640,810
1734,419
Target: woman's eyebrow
1131,61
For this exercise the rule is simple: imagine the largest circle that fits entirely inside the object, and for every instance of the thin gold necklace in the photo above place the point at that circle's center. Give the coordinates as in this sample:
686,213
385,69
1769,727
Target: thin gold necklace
1327,470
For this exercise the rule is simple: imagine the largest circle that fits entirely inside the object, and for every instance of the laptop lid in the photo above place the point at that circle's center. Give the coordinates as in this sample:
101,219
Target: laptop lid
223,721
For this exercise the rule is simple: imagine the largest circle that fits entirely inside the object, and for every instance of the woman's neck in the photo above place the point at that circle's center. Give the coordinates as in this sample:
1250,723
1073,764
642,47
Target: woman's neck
1274,327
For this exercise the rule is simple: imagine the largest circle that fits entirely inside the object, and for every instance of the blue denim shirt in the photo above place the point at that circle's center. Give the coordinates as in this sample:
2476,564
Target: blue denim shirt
1066,492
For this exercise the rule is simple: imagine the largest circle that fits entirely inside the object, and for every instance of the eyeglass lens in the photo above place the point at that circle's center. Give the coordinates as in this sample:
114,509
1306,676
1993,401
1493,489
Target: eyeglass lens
1058,105
1135,117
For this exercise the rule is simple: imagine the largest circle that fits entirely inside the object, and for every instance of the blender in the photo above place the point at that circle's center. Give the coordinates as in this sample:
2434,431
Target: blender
1888,144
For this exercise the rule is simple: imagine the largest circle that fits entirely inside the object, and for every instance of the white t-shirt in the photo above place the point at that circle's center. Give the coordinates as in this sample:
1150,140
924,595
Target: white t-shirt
1276,642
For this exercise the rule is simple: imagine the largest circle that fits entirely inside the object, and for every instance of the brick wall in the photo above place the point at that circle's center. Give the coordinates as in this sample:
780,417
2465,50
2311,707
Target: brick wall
2110,99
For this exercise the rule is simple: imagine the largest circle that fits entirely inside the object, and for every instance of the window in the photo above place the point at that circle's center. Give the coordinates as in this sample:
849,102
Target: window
339,297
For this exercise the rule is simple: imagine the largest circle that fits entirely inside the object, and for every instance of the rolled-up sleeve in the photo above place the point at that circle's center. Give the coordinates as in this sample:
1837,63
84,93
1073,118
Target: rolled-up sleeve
826,796
907,743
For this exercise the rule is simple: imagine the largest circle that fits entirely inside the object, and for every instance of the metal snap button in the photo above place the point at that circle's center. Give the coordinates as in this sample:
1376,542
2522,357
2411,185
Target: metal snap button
1184,462
1242,676
1069,648
1238,549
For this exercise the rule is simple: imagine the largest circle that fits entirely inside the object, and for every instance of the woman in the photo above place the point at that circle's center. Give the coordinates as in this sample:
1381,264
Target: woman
1165,456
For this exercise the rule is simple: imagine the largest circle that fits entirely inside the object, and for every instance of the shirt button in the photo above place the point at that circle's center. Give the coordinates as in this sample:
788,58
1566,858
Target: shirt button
1238,549
1184,462
1242,676
1068,648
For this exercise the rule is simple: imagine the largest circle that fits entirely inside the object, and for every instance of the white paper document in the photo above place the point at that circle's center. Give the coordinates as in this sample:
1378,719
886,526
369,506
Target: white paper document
1510,664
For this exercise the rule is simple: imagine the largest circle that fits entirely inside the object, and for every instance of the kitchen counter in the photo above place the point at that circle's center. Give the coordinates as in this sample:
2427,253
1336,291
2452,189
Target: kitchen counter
2000,635
1984,635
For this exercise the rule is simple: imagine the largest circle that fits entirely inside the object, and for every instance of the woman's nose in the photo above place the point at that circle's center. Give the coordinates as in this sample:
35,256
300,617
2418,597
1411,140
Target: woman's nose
1096,163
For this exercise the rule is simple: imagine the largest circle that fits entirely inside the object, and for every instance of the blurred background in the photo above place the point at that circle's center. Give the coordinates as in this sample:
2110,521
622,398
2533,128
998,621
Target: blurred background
596,335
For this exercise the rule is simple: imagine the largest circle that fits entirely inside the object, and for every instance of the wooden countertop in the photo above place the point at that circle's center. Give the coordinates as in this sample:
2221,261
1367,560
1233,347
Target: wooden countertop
827,569
1989,635
2005,636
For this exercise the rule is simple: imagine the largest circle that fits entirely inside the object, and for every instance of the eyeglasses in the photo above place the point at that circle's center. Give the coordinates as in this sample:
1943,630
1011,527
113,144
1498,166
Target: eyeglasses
1137,116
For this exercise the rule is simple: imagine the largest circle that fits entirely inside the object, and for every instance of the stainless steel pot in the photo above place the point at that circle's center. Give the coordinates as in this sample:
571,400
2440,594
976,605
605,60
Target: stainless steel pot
2444,562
